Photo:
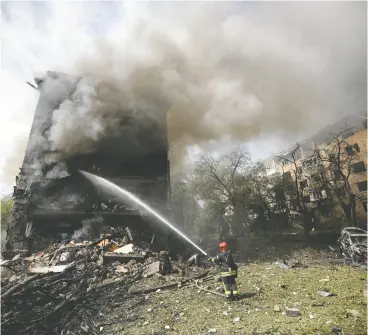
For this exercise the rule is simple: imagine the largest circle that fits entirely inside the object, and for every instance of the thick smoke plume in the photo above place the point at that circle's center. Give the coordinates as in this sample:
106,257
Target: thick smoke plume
238,70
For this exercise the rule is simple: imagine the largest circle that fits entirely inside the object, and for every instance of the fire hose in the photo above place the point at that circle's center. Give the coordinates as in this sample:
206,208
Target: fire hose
209,291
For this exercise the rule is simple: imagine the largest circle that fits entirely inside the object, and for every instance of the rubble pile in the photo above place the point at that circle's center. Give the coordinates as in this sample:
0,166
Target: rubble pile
62,289
353,244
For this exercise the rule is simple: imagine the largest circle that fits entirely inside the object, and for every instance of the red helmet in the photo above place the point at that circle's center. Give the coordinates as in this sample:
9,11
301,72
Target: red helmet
223,246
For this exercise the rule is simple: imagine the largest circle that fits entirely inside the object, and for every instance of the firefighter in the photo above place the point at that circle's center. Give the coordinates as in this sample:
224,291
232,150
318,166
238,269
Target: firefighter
229,271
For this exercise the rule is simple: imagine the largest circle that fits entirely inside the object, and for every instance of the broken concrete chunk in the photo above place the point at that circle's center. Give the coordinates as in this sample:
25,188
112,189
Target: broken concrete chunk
152,269
225,313
3,262
126,249
121,269
283,266
176,316
80,267
15,258
167,327
14,278
212,331
353,312
237,319
85,328
325,294
64,257
276,308
293,312
100,260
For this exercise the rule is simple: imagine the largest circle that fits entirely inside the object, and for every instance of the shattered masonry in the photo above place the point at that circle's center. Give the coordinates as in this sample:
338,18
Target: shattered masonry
52,198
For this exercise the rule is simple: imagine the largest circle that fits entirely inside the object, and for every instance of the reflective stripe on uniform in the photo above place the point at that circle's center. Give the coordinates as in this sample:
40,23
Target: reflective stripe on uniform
228,273
226,289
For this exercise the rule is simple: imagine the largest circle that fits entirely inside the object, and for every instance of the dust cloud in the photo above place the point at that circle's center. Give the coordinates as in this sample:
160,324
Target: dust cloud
234,70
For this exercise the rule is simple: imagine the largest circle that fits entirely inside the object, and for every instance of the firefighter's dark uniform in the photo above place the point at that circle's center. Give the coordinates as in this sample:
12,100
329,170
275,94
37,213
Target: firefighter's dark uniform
229,272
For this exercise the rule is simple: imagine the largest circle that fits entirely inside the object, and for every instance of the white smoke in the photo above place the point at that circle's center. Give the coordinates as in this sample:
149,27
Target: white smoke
83,232
71,115
238,70
58,171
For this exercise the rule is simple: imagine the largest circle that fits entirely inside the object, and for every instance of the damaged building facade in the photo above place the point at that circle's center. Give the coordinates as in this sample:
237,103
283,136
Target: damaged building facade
316,175
51,196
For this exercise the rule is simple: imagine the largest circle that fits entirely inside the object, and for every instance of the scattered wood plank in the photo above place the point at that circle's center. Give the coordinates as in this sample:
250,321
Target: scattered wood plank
47,269
165,287
21,284
126,249
122,257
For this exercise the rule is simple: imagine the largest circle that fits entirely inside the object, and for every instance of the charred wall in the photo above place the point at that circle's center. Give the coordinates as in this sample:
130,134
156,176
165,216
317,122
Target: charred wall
49,189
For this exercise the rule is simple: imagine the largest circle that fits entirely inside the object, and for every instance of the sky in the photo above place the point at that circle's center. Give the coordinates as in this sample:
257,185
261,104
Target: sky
294,66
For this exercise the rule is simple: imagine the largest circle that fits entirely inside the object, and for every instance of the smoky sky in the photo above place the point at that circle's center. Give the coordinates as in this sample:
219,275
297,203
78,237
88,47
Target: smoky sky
218,70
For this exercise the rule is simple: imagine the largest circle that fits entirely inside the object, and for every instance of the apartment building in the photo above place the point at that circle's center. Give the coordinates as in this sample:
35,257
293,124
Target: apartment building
311,171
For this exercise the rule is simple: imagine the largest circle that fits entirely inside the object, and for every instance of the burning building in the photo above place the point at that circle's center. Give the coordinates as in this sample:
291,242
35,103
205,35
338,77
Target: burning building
51,197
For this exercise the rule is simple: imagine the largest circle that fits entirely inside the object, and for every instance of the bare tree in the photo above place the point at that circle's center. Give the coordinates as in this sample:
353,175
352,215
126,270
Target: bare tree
301,207
339,158
262,195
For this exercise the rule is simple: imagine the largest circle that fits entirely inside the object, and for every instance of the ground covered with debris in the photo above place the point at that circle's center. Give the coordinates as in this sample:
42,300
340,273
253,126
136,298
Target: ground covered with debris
67,288
119,288
280,294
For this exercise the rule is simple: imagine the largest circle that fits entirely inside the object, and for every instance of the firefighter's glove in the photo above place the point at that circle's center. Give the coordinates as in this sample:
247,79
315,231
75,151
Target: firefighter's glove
210,259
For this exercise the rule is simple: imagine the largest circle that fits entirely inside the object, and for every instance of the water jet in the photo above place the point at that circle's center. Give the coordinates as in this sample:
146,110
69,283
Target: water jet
122,193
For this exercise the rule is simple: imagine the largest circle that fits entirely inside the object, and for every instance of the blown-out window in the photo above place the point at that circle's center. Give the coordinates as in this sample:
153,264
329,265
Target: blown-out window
358,167
362,186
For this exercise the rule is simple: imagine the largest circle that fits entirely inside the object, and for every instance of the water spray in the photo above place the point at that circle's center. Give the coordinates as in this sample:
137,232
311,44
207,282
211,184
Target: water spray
113,187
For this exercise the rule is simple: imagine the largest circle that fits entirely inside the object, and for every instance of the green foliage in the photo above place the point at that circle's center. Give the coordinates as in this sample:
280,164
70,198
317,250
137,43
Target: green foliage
6,207
229,192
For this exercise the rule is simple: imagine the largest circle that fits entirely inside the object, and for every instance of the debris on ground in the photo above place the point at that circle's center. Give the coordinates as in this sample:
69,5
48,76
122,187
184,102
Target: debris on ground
112,297
325,294
126,249
353,312
353,244
276,308
290,264
64,288
293,312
